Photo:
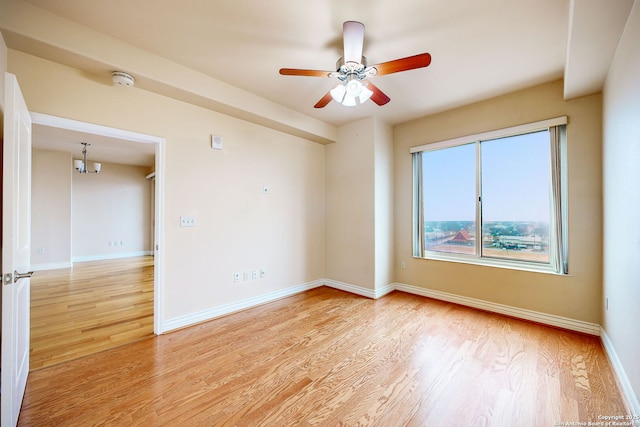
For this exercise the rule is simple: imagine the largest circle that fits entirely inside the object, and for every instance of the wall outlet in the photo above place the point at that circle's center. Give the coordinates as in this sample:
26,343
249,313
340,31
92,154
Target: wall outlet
41,250
263,273
246,276
236,277
254,274
403,265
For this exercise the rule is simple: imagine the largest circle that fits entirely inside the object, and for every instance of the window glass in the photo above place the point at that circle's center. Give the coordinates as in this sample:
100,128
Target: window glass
497,198
516,197
449,194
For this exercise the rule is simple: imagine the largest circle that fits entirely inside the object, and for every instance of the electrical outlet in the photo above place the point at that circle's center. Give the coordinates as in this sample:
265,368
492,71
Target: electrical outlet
263,273
41,250
236,277
246,276
254,274
403,265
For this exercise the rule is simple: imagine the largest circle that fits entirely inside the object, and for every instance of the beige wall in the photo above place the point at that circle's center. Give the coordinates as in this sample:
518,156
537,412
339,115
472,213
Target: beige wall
577,296
50,209
111,213
74,217
383,190
359,206
621,164
350,204
238,227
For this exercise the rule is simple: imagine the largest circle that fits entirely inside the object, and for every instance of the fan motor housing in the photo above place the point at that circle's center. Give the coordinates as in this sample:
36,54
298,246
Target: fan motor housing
341,63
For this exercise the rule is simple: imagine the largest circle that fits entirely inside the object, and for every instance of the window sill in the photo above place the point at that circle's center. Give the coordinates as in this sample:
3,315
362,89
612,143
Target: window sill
492,262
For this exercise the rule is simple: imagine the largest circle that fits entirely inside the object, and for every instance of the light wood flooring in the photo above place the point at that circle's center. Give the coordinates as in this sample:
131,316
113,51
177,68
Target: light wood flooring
90,307
327,358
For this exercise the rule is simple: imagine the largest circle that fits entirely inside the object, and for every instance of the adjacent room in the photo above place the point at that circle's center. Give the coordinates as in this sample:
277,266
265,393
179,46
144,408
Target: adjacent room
343,213
91,243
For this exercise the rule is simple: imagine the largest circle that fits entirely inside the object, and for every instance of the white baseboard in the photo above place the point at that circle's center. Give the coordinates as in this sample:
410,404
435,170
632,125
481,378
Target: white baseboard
521,313
212,313
627,391
347,287
51,266
110,256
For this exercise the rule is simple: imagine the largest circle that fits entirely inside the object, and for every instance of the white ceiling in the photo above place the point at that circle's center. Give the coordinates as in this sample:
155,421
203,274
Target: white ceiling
105,149
480,48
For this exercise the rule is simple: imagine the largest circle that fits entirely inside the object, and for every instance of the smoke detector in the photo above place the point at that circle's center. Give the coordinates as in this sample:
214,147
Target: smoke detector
122,79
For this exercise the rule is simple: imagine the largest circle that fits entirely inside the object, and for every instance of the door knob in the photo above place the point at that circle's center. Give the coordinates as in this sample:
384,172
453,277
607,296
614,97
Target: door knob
17,276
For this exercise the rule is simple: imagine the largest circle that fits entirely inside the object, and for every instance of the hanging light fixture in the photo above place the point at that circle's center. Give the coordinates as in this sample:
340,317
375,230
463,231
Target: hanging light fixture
81,165
351,90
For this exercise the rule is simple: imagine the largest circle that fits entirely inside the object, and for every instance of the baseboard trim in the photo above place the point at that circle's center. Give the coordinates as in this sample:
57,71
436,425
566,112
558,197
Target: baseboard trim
347,287
223,310
51,266
623,380
111,256
380,292
521,313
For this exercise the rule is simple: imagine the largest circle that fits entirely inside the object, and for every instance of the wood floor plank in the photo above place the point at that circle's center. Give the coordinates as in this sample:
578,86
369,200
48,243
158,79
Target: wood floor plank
326,357
90,307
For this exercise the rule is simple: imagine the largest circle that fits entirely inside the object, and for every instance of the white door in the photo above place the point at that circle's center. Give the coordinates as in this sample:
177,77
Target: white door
16,238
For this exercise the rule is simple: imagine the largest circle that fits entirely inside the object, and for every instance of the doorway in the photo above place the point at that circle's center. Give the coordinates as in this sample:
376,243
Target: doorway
117,146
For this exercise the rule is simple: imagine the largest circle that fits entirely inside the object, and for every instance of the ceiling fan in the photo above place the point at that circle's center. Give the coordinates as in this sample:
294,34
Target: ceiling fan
353,73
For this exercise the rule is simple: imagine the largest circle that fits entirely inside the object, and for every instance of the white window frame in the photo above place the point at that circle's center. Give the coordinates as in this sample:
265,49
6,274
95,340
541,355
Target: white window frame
558,230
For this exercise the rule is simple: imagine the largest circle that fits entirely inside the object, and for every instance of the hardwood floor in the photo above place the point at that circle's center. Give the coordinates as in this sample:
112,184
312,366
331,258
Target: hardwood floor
89,308
325,358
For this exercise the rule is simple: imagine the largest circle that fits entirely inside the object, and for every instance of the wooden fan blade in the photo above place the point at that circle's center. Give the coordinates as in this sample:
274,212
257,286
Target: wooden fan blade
403,64
379,97
353,38
307,73
324,101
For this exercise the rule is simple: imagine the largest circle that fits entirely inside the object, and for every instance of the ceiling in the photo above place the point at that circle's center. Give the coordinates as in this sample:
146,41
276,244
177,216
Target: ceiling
479,48
105,149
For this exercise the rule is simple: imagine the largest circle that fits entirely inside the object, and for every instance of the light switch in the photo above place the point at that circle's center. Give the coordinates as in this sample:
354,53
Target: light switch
187,221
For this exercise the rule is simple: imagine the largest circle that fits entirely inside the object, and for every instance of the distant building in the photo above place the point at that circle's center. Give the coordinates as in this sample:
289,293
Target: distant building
462,238
521,242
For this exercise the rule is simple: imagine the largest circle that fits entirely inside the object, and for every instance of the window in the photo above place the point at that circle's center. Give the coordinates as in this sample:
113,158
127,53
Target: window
497,198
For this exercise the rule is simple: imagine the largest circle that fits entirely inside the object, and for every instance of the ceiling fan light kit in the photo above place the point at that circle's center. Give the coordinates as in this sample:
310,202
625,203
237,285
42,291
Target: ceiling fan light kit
350,93
353,72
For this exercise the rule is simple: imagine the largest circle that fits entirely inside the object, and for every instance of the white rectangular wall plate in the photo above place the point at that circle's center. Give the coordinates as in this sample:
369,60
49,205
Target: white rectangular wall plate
187,221
216,142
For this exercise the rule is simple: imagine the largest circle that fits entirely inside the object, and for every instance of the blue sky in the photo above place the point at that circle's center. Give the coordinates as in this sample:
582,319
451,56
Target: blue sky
515,180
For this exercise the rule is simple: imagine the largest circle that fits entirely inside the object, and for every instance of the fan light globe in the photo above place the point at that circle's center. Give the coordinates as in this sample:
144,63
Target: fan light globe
354,88
338,92
351,93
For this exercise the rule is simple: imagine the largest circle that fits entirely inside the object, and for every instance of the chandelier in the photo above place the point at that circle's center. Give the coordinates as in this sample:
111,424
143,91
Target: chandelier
81,165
